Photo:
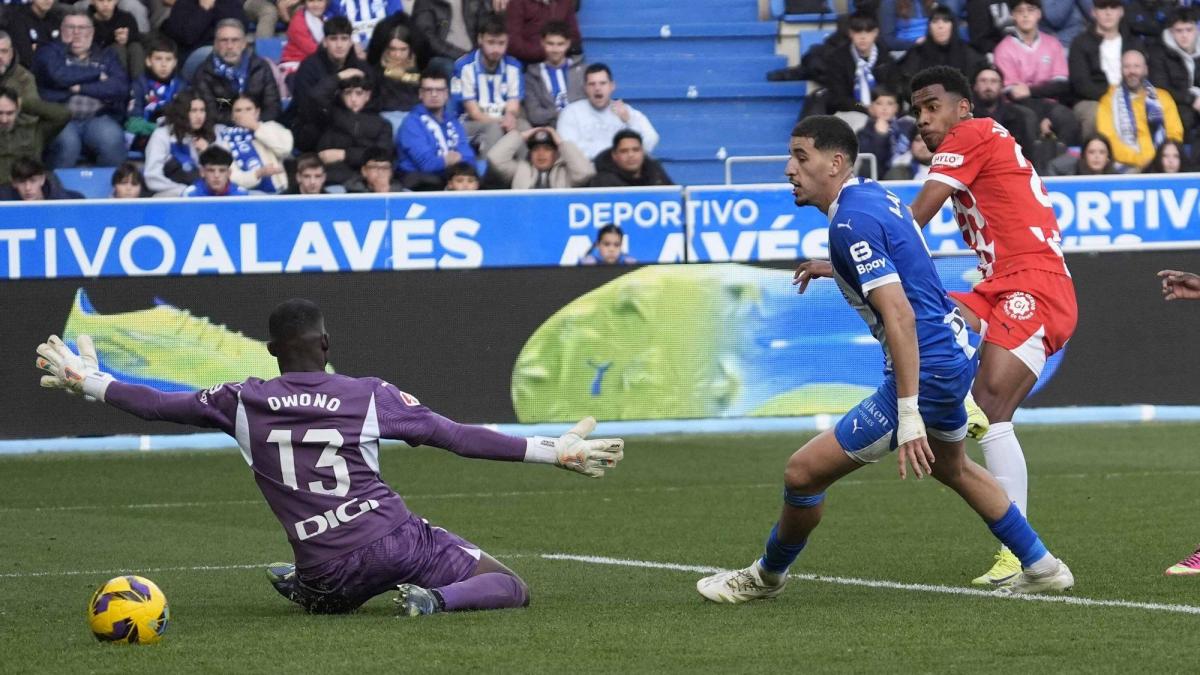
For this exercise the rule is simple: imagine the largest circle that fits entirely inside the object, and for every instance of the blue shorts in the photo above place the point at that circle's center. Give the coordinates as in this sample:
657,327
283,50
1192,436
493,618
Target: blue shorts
868,432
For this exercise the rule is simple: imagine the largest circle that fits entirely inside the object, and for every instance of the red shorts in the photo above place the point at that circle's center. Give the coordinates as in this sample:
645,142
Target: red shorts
1031,313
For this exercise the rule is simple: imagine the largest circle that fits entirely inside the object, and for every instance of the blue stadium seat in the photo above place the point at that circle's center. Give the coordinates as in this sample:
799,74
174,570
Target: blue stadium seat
779,11
270,48
94,182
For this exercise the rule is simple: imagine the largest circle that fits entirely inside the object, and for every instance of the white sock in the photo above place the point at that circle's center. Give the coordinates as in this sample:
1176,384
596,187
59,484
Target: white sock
1005,460
1045,566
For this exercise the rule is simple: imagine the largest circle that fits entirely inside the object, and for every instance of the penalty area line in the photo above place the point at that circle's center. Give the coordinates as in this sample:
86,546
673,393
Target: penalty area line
889,585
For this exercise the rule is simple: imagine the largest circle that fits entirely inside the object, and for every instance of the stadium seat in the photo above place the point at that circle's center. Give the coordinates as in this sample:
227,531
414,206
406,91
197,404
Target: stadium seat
94,182
270,48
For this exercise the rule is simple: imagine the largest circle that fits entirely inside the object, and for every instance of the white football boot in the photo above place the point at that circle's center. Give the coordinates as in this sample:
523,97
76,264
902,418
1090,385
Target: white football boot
738,586
1028,583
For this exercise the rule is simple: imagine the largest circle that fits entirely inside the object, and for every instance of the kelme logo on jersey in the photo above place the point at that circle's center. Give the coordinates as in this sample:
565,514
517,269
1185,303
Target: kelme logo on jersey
1020,306
950,159
331,518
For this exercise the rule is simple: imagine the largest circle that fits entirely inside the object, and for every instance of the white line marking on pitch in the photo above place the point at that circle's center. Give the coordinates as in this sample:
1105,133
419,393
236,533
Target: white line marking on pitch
891,585
77,573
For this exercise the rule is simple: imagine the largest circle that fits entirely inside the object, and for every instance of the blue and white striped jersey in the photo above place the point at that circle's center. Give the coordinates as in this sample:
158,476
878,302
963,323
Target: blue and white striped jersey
874,241
490,90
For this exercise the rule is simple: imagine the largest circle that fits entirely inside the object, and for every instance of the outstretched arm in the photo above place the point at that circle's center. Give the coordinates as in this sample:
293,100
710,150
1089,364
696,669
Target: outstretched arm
80,374
402,417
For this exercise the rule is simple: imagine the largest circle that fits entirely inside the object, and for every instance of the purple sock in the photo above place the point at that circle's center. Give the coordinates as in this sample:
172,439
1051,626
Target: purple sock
494,590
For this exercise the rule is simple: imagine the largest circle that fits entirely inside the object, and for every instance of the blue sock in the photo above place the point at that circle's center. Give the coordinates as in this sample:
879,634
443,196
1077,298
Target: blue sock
779,556
1014,532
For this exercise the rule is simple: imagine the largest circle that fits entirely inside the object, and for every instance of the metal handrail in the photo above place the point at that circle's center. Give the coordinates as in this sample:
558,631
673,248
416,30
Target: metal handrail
762,159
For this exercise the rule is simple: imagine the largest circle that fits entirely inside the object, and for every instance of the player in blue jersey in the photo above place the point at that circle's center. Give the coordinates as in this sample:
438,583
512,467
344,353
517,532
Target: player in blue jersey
311,438
883,267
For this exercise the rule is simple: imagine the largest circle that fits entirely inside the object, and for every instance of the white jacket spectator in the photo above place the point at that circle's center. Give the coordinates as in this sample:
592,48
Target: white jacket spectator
258,149
592,123
552,162
173,150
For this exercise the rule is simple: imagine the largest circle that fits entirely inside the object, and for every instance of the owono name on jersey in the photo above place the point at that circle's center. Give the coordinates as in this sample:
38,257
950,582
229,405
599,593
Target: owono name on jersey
306,400
332,518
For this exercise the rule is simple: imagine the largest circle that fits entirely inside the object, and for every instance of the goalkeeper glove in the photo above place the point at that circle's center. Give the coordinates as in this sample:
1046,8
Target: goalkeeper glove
77,373
571,451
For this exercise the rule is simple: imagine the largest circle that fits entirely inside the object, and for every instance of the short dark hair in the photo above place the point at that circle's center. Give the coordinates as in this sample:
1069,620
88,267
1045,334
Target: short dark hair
1181,15
625,134
1014,4
559,28
293,319
1108,3
338,25
377,155
611,228
162,43
354,81
215,155
597,68
985,67
951,79
862,21
435,73
462,169
10,94
128,170
945,14
24,168
493,25
829,132
881,90
308,160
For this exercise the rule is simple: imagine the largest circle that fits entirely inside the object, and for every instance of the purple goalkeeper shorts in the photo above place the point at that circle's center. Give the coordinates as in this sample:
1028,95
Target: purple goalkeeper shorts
415,552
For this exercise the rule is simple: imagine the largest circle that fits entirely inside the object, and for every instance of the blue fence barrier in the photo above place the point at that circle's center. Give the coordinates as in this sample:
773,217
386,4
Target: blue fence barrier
340,233
334,233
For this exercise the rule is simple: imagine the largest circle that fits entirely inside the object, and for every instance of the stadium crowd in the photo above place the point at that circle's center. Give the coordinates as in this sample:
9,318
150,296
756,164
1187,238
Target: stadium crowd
463,94
365,97
1084,86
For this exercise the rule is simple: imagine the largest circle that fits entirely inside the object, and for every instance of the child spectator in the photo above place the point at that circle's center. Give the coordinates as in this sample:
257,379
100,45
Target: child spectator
352,132
305,31
917,167
556,81
376,174
215,163
942,47
152,91
462,178
886,136
31,182
606,250
310,175
128,183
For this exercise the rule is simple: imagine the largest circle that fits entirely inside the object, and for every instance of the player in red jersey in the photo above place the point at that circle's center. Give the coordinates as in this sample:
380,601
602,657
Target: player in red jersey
1025,306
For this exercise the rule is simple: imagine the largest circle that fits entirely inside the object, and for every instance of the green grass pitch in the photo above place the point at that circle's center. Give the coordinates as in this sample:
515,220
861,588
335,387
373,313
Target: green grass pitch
1117,502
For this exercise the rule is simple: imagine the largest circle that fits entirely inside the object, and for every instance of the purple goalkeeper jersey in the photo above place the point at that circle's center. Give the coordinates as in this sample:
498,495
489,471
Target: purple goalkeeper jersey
312,440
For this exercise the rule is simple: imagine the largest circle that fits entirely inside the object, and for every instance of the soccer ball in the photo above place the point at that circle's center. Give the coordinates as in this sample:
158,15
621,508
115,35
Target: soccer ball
128,609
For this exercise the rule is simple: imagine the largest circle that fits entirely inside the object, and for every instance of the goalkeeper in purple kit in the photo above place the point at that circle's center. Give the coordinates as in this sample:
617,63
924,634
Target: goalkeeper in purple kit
312,440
